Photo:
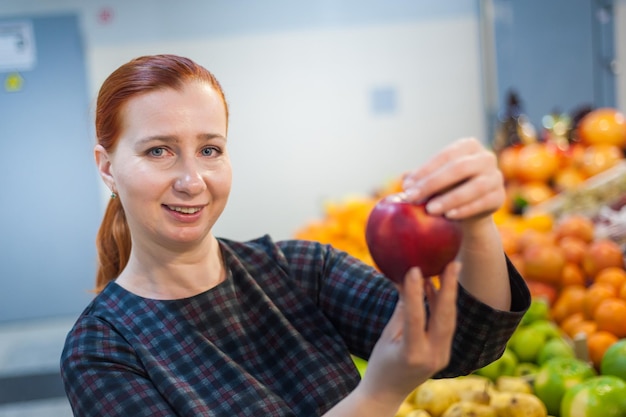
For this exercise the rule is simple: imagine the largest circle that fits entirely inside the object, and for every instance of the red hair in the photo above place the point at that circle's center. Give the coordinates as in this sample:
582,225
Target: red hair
138,76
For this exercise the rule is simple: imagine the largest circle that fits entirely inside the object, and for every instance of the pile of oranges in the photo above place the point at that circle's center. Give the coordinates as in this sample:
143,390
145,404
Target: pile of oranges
563,259
537,170
582,276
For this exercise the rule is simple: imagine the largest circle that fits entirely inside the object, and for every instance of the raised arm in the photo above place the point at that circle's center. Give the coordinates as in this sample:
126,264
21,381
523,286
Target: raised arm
463,182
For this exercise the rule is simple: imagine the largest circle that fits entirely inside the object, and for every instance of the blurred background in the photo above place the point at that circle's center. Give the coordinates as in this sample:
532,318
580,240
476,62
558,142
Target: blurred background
328,99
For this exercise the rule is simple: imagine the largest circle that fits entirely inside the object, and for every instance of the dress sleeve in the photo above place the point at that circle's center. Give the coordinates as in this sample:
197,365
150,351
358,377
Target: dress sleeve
102,377
359,301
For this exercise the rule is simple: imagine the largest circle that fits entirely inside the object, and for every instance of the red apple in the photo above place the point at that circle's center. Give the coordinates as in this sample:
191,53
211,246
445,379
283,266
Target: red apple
401,235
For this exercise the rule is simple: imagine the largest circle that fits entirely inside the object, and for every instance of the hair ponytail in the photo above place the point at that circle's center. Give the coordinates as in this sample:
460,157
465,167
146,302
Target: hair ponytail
113,244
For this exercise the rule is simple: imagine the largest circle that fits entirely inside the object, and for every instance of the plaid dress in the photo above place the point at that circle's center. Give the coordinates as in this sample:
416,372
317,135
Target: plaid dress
273,339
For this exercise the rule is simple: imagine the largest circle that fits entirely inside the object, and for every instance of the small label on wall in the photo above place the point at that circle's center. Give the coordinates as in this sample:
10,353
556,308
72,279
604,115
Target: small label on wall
383,100
13,82
17,46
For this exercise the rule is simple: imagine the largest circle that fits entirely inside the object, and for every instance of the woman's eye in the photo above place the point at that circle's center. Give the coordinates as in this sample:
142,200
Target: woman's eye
156,152
208,151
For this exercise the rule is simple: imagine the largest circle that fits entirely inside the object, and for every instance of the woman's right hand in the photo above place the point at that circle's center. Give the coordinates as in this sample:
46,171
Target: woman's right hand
413,345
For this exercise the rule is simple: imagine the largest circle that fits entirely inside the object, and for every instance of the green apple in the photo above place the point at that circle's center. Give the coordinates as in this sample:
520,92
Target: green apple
555,347
504,365
526,369
614,360
539,310
556,376
599,396
527,341
549,328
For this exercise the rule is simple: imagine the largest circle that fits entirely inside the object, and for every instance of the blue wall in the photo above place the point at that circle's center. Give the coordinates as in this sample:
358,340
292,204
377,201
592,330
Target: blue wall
50,201
555,54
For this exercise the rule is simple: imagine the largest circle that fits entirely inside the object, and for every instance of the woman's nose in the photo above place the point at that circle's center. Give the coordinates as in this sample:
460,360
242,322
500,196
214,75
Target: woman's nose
189,179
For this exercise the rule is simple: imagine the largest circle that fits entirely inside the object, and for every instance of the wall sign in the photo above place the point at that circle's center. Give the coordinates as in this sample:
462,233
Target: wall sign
17,46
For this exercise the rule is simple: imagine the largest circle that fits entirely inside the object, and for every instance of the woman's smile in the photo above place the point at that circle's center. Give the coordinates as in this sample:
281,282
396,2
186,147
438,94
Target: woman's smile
185,214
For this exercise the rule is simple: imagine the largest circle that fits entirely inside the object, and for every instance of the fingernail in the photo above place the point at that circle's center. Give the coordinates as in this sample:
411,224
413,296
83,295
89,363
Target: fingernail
412,193
433,207
452,213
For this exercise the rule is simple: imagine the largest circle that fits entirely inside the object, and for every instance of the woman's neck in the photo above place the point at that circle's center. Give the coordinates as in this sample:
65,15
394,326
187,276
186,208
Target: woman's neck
167,275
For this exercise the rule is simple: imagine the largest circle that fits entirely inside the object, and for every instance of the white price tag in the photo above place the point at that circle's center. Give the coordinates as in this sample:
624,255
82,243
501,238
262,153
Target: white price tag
17,46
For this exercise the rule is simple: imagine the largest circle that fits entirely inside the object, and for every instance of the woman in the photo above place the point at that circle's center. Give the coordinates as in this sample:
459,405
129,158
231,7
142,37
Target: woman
187,324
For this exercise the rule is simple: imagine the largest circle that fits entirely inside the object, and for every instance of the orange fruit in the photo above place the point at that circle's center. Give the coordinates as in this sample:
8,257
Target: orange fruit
568,302
610,315
595,294
575,154
568,325
572,275
600,254
568,178
598,158
575,225
621,293
536,162
541,290
507,162
605,125
597,344
509,241
613,275
587,327
540,221
573,248
535,192
544,263
532,237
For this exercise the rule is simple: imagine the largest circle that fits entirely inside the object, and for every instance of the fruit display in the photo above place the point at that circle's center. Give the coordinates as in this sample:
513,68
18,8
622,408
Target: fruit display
473,396
563,226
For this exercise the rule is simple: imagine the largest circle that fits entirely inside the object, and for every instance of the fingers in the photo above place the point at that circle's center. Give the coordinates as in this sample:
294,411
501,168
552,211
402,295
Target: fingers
393,329
462,181
450,153
429,335
482,194
442,319
414,328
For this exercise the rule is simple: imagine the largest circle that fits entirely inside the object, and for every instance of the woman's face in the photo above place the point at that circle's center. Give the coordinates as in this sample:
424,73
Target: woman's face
170,167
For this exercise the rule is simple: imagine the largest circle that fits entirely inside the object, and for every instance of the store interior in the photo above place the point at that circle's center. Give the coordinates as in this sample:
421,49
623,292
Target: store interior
327,100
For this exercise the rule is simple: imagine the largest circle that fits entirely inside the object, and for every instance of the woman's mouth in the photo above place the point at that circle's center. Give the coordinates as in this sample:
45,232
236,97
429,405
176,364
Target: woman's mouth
184,210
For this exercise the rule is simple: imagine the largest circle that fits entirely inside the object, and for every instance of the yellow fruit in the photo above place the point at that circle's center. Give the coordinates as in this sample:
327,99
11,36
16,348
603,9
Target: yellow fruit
542,222
507,383
418,413
406,408
469,409
518,404
435,396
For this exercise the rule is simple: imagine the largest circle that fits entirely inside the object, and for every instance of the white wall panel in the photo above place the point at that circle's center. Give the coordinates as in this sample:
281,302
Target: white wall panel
302,126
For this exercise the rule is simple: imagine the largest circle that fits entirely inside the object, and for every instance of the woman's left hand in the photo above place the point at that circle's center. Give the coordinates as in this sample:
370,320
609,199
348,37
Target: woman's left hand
462,181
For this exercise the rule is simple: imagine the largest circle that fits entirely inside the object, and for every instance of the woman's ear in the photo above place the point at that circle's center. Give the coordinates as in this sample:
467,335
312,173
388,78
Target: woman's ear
103,161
